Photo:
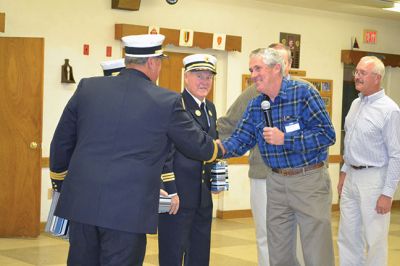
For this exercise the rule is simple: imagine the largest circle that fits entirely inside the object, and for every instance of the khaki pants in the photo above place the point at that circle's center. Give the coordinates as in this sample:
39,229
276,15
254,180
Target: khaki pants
304,199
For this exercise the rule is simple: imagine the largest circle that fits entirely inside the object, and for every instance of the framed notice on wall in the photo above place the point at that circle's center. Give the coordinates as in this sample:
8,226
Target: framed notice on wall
324,86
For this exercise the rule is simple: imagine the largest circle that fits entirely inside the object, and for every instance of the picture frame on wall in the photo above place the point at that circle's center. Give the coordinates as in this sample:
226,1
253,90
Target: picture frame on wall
293,41
246,81
327,100
324,87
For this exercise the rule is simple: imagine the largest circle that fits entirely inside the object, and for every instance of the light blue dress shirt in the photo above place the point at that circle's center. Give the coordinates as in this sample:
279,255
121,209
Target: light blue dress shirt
373,136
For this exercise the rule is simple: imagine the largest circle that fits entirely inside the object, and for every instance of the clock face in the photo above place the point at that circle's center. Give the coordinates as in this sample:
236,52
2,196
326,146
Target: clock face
172,2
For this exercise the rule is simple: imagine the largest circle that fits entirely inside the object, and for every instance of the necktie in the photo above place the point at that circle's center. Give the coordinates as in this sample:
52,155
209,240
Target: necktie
204,116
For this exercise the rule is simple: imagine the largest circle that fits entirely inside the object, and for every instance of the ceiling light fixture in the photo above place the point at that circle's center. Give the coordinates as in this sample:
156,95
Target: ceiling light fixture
395,8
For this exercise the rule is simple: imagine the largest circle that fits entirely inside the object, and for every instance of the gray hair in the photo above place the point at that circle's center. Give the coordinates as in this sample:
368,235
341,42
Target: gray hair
270,57
282,49
135,60
379,67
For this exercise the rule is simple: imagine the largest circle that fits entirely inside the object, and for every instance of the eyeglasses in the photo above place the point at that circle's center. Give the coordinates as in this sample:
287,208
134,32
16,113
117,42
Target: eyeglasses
362,73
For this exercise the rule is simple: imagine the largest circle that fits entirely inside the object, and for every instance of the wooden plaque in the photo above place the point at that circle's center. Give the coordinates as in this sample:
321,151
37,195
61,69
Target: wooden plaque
125,4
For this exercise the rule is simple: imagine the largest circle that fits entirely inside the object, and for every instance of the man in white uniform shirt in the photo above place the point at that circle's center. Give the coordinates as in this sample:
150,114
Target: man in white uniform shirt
371,170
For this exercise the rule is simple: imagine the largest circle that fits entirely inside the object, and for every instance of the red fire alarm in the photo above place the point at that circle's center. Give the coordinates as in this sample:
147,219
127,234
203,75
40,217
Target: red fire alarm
86,49
108,51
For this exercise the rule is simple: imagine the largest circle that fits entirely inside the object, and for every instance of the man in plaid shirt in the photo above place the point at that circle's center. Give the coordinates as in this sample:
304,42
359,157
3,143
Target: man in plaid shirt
295,148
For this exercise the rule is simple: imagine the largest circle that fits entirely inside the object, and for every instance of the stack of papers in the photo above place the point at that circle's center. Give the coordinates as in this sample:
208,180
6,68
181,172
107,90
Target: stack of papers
219,176
165,204
55,225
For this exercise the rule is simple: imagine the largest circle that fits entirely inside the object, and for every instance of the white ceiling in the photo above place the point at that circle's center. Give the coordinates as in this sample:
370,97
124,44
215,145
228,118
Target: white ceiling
371,8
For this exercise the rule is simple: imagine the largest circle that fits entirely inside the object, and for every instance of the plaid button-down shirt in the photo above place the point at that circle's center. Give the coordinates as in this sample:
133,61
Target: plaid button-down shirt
297,104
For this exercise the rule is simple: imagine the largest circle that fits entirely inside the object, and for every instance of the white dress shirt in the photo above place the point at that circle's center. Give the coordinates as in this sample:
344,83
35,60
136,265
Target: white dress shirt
373,136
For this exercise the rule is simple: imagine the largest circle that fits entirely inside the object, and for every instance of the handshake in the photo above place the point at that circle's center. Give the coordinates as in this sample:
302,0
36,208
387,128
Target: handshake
219,143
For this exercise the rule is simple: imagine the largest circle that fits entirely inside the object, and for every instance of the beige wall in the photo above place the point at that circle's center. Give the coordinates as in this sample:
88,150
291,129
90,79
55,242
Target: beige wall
68,24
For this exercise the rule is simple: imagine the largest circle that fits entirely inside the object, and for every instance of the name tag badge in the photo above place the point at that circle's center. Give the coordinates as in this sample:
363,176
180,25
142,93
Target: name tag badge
292,127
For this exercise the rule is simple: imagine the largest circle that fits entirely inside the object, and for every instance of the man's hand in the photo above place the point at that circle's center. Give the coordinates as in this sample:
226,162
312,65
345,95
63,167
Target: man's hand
342,177
218,141
163,193
274,136
174,204
383,204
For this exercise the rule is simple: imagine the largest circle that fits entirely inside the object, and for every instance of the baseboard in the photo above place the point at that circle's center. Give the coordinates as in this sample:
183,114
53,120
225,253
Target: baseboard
247,212
42,226
234,214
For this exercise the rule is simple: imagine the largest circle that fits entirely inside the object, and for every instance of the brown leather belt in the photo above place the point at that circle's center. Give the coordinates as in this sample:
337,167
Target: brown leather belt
296,171
361,167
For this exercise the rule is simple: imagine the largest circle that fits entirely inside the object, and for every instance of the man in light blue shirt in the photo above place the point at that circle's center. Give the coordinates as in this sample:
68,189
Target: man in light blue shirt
371,170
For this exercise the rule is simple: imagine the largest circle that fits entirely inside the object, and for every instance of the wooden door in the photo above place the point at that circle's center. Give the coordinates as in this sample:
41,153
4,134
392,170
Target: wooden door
21,99
171,76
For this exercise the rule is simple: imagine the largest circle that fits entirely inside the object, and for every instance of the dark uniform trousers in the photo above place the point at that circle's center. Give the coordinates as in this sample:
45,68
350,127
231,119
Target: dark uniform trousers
85,246
185,237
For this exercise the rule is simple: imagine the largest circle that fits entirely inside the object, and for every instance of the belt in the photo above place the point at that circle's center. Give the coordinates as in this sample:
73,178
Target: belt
296,171
361,167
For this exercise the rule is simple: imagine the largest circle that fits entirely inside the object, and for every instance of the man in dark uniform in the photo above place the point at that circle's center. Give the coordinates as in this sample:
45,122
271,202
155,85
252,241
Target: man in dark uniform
186,235
110,145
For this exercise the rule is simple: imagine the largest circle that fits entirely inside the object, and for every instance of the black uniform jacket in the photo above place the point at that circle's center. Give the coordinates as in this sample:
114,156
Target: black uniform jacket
192,177
111,144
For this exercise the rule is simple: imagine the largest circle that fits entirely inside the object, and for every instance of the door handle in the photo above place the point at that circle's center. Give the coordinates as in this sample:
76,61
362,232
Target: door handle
33,145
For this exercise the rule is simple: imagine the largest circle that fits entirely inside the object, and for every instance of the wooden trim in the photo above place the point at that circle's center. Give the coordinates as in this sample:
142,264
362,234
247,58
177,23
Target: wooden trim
239,160
42,226
335,207
247,213
298,73
352,57
45,162
2,22
171,36
234,214
200,39
396,204
335,158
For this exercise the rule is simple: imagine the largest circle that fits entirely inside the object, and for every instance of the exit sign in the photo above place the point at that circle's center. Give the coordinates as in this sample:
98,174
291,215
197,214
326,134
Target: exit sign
370,36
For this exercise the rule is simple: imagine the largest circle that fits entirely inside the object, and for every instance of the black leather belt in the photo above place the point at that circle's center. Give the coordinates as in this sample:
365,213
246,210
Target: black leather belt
361,167
296,171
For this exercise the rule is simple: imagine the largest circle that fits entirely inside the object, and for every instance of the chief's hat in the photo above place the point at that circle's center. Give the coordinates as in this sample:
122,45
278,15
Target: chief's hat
197,62
145,45
113,67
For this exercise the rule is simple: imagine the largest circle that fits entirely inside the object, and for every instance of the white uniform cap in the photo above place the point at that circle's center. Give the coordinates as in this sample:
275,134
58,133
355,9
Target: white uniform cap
113,67
145,45
197,62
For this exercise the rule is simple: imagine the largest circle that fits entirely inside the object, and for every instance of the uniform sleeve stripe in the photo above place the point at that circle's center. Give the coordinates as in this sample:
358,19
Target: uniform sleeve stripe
215,153
168,177
58,176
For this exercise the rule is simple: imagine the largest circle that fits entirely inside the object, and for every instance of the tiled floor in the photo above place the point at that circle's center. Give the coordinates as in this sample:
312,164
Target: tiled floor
233,244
